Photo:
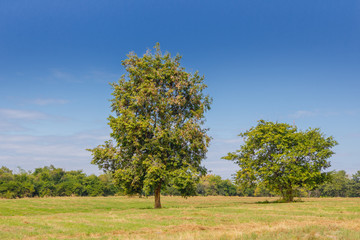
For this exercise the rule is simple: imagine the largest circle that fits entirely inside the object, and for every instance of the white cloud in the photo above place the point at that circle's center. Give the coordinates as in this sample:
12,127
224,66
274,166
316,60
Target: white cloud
21,114
100,76
322,113
94,76
48,101
69,152
220,147
303,113
64,76
6,126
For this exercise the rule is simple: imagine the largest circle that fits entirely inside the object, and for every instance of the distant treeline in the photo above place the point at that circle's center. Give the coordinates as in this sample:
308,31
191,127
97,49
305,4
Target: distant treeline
51,182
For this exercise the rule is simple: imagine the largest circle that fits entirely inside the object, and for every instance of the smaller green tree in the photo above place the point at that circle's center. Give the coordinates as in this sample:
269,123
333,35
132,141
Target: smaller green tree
282,158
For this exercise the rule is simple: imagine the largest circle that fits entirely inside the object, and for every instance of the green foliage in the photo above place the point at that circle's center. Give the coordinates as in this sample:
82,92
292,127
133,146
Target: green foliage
282,159
157,131
13,186
261,191
354,185
339,185
51,181
46,181
213,185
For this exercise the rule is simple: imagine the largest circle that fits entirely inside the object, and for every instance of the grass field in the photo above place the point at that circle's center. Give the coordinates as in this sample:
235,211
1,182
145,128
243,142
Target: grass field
192,218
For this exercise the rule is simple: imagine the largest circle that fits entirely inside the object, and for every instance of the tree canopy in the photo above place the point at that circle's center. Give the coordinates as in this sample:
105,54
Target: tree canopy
157,134
51,181
282,158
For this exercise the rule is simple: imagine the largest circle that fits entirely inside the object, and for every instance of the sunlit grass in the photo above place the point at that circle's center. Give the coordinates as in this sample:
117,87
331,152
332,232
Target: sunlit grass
192,218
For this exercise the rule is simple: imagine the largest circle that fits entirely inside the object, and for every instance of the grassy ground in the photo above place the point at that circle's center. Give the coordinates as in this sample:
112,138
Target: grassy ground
192,218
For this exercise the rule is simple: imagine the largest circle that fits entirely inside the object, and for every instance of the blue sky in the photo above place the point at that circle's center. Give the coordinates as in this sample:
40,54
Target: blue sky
286,61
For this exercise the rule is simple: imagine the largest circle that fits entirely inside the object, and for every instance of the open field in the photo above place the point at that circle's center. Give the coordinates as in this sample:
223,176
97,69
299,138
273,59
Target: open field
192,218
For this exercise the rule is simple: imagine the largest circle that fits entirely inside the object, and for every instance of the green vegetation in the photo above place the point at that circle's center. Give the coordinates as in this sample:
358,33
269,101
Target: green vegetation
191,218
51,182
212,185
340,185
159,112
283,159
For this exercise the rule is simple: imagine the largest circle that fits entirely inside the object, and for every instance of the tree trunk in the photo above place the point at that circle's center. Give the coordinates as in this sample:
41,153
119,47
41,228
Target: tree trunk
289,195
157,196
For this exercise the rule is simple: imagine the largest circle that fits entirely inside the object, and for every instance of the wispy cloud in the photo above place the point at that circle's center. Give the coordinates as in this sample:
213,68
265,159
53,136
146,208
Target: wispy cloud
64,76
93,76
319,113
29,151
220,147
48,101
21,114
14,120
304,113
99,76
7,126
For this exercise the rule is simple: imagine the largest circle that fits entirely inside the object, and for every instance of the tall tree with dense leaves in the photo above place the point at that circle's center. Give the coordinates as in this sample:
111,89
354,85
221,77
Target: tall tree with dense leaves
157,131
282,158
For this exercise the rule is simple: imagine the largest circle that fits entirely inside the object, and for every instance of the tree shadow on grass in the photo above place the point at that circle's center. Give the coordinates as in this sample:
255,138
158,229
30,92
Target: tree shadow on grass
278,201
146,207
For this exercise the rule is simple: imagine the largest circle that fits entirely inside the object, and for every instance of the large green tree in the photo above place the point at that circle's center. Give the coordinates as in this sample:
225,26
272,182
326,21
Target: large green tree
282,158
157,131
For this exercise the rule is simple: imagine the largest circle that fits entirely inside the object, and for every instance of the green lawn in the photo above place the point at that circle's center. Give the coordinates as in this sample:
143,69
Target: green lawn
192,218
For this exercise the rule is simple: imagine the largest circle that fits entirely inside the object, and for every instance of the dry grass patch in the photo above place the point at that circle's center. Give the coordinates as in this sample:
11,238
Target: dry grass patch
192,218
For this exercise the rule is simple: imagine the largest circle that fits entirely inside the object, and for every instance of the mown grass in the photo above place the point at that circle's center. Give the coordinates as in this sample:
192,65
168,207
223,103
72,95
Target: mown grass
192,218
